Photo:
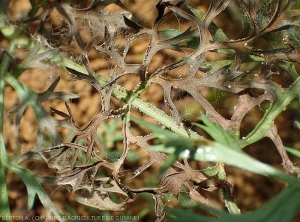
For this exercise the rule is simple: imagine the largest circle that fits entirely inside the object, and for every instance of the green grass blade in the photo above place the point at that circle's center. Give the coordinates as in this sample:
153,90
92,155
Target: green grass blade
293,151
216,152
278,209
4,204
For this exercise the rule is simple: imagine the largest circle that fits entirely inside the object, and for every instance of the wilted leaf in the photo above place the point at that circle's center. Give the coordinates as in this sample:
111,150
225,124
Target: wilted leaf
100,196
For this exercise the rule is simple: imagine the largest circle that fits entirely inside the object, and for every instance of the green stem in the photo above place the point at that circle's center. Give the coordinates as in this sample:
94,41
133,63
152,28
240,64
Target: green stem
123,95
283,99
4,204
229,202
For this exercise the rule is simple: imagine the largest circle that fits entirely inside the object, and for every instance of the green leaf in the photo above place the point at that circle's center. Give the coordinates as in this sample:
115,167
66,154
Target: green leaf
283,99
204,150
4,204
35,188
289,67
36,4
218,133
216,170
283,207
216,152
161,133
170,33
296,5
181,144
216,32
192,42
199,14
297,124
30,98
293,151
4,6
212,67
220,153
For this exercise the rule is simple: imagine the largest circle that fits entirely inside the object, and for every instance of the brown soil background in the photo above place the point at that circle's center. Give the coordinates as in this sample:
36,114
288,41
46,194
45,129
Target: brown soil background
250,191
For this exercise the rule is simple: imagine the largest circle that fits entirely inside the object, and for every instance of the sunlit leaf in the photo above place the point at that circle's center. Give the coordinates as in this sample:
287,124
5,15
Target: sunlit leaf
198,13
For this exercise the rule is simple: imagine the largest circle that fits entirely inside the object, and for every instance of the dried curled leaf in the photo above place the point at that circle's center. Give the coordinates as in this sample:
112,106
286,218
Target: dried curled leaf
78,162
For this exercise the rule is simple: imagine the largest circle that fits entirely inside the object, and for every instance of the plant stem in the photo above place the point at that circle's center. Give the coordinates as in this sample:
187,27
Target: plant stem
283,99
4,204
123,95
